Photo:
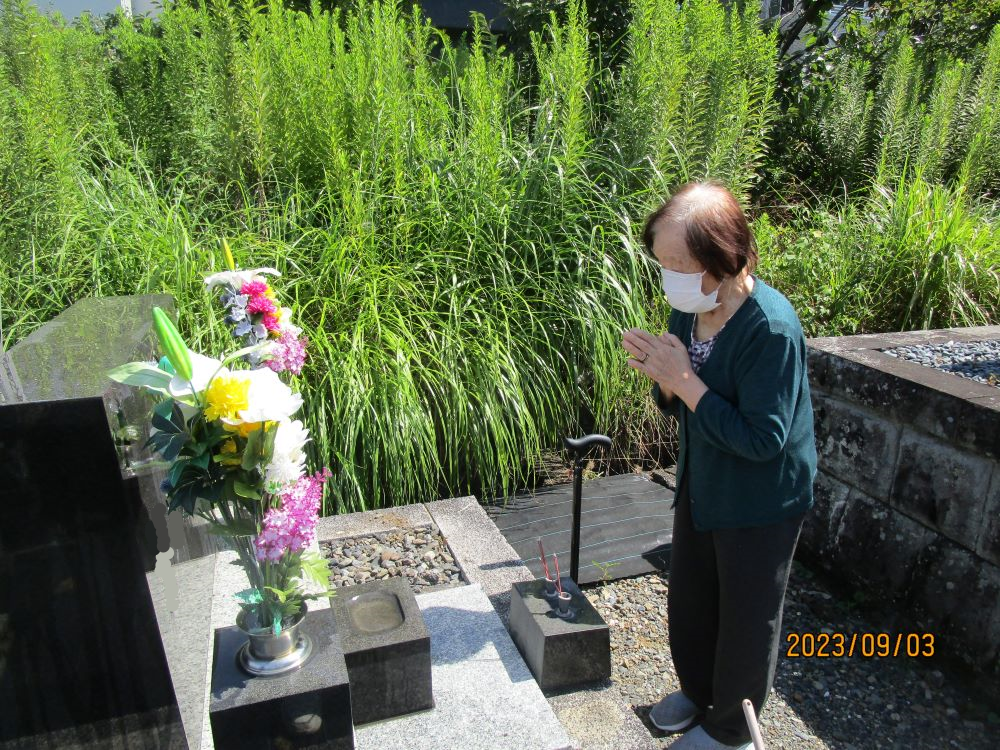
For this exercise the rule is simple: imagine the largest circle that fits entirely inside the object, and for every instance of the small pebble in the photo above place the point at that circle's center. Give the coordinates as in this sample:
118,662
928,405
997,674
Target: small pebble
421,556
975,360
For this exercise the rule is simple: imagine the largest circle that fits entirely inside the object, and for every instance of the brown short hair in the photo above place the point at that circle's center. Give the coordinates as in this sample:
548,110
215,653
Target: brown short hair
715,227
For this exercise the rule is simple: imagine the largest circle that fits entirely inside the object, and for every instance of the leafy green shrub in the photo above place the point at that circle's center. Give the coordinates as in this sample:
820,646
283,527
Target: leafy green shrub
696,93
861,127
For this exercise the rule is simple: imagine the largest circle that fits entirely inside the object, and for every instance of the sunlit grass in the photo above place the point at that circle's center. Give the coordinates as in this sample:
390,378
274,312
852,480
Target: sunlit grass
458,242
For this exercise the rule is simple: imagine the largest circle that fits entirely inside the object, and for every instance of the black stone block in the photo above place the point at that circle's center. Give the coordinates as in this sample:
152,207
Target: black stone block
559,652
307,708
387,648
78,631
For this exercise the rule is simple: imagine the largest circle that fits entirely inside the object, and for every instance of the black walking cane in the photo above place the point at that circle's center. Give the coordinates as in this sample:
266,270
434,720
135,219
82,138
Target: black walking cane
580,448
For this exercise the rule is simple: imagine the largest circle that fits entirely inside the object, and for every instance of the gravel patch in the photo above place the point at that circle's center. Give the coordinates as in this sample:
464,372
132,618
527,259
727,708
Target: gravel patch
976,360
419,554
847,703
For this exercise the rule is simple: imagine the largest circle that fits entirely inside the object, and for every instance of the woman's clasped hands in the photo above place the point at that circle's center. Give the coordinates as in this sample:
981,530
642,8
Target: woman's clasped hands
665,359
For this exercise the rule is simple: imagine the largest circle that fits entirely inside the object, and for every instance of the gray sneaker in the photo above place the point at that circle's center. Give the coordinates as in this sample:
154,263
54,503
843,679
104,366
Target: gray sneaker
673,713
699,739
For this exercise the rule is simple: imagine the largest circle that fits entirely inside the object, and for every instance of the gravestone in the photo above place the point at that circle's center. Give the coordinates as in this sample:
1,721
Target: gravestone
82,661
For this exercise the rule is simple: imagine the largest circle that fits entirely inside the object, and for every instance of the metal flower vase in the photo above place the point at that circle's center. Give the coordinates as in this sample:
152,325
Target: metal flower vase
268,655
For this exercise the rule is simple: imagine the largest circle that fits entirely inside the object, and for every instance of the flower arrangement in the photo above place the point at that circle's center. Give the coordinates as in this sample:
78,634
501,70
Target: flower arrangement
254,315
236,454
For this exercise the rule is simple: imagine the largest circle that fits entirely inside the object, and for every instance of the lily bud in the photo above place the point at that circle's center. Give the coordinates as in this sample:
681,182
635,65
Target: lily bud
230,261
171,343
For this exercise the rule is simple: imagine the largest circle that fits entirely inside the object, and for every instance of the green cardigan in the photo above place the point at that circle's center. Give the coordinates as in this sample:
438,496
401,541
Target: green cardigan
749,448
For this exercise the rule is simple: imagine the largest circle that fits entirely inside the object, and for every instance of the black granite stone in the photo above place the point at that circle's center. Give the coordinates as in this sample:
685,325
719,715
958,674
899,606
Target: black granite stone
307,708
80,646
559,652
390,669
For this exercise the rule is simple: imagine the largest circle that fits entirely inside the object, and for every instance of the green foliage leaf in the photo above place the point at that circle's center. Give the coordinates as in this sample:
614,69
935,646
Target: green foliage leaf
281,594
248,491
171,431
251,454
142,375
194,482
315,567
249,597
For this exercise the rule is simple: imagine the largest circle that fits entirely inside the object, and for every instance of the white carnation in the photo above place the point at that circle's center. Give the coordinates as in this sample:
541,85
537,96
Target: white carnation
288,460
237,279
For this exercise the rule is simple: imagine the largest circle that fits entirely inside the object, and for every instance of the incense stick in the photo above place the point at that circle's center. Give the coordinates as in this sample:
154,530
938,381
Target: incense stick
545,562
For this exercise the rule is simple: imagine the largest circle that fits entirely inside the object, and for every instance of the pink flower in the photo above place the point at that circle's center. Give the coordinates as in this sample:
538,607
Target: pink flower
271,322
255,288
288,353
291,527
261,304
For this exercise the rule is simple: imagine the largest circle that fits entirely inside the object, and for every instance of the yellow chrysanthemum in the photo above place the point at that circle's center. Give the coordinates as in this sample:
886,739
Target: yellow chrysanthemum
226,396
228,447
245,428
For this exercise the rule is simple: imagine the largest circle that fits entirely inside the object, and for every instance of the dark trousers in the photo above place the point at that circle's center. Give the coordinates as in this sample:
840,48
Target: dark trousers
727,589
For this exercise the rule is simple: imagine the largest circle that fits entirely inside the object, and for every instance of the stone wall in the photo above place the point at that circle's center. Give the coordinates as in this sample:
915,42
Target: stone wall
908,492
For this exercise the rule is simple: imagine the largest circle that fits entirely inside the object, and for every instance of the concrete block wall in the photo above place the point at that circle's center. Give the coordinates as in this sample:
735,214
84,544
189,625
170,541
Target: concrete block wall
908,491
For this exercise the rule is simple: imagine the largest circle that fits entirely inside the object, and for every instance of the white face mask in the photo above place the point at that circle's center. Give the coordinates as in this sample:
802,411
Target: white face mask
683,292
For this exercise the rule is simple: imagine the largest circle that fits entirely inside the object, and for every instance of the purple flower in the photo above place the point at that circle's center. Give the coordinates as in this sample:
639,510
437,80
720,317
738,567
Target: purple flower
292,526
236,314
288,353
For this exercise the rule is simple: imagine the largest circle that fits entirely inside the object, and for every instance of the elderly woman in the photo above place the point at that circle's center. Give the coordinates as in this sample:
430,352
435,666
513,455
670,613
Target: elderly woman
732,369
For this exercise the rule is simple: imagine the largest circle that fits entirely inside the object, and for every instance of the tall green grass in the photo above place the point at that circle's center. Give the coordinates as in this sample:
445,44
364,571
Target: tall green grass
696,96
916,255
458,242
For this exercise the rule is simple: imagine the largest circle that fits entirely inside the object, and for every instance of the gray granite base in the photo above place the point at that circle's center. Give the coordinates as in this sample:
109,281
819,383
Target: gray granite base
470,648
484,695
597,718
560,652
390,670
182,597
310,707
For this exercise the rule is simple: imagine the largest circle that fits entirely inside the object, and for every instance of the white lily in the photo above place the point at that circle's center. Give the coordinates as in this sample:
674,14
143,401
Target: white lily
269,399
202,370
237,279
